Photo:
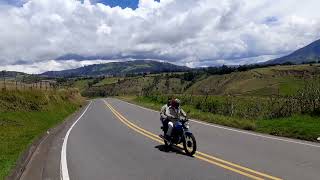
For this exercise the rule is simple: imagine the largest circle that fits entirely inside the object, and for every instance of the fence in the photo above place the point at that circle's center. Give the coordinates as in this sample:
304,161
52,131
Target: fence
13,84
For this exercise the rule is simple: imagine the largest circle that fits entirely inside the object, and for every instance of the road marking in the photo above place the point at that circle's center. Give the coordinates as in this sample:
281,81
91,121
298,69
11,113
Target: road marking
202,156
238,131
64,173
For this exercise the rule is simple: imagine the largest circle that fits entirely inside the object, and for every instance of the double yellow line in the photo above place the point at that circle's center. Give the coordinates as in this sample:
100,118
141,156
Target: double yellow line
250,173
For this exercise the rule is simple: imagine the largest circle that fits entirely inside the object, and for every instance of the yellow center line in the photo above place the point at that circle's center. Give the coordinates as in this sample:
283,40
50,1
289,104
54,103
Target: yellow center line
202,156
123,121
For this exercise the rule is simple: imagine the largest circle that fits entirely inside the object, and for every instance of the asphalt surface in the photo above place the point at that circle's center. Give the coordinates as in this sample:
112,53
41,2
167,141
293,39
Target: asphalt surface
104,145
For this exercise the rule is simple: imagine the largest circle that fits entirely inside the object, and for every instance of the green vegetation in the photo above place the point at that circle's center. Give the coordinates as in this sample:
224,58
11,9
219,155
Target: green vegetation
267,81
161,83
81,84
304,127
107,81
195,113
26,115
258,114
275,80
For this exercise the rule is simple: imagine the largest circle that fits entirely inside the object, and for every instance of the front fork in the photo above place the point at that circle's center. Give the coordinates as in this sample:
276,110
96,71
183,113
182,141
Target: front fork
185,132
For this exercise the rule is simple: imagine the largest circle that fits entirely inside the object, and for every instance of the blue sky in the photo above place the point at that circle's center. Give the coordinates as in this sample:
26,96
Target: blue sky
12,2
133,4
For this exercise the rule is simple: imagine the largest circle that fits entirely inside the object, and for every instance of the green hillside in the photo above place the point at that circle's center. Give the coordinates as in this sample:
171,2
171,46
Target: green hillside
118,69
141,85
275,80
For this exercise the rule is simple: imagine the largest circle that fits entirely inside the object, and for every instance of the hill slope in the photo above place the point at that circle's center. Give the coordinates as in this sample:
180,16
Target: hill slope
276,80
308,53
118,68
282,80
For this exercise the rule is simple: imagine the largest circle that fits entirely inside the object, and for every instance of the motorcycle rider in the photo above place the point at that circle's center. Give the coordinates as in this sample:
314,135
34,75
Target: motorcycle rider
163,117
173,113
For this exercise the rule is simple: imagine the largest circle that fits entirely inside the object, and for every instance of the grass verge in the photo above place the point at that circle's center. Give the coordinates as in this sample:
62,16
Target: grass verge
20,126
304,127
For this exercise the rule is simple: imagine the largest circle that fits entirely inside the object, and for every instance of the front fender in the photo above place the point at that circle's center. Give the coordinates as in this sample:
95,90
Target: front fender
188,133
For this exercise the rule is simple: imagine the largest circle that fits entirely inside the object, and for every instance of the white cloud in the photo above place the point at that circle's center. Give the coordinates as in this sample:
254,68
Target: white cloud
52,65
189,32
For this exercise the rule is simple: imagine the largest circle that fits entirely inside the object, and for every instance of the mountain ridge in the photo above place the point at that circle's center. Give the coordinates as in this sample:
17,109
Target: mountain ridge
306,54
119,68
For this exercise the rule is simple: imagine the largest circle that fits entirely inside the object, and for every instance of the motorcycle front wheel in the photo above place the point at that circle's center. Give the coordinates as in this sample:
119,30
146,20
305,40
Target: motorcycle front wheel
190,144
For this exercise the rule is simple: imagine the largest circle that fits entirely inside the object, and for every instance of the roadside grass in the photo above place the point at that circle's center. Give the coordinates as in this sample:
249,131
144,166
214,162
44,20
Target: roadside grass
304,127
20,127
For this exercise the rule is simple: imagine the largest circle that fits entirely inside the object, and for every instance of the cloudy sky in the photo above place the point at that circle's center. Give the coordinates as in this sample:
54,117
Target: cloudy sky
33,33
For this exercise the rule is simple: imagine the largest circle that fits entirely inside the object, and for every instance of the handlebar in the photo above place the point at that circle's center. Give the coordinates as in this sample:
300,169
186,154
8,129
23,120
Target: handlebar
185,119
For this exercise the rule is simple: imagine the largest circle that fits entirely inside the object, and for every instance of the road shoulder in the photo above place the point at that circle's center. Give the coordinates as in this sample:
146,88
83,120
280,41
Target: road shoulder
40,160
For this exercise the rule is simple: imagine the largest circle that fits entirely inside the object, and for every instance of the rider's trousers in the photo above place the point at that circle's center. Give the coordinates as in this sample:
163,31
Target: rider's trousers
170,127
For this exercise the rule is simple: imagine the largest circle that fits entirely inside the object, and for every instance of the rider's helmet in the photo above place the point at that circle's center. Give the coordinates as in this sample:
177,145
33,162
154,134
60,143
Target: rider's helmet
175,103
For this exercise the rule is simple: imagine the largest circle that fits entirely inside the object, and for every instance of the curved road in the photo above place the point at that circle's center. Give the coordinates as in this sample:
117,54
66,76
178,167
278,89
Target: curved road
117,140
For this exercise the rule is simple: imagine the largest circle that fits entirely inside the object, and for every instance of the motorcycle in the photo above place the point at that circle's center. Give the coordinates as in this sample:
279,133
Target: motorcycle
181,134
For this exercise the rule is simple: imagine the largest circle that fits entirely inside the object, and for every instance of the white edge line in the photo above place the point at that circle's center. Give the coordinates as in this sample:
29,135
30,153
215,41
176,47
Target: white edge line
64,173
235,130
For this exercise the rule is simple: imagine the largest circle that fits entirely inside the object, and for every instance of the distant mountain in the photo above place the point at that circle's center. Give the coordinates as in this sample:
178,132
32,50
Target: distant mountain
80,57
118,68
11,74
306,54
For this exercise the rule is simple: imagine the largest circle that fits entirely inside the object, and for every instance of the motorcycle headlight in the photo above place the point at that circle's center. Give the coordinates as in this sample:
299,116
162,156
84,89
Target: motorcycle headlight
187,125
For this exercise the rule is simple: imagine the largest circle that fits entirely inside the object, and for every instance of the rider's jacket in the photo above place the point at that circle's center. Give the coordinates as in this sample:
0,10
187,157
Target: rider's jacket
163,112
174,114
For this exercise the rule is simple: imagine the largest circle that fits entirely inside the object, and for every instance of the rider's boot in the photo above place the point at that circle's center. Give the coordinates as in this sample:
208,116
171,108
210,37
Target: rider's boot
167,137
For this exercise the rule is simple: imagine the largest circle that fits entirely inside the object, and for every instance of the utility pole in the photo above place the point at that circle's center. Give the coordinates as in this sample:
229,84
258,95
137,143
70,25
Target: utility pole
4,79
16,82
24,87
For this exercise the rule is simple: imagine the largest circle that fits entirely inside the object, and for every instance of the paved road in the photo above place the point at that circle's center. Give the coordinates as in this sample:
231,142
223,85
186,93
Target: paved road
116,140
